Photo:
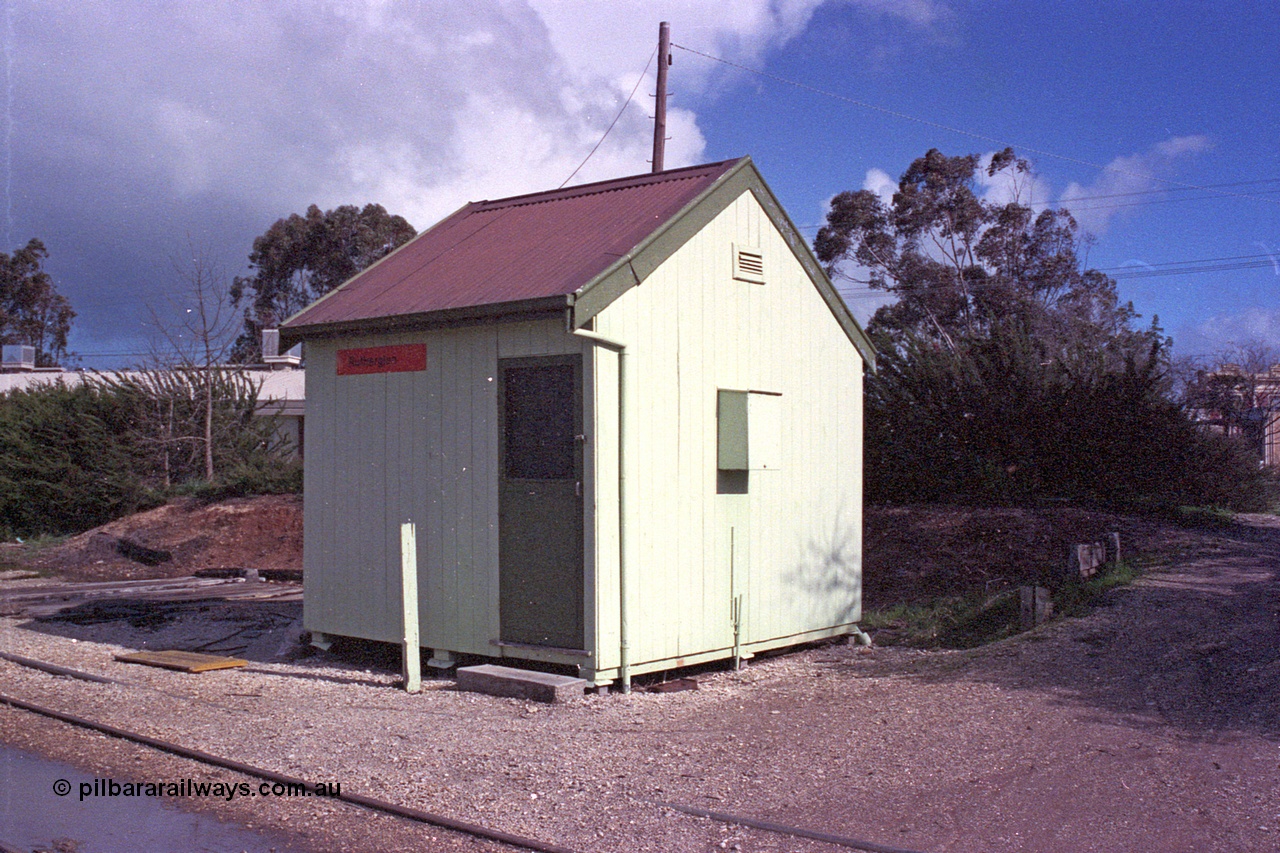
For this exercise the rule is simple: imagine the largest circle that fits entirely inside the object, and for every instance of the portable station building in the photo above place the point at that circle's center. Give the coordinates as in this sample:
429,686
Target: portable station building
625,417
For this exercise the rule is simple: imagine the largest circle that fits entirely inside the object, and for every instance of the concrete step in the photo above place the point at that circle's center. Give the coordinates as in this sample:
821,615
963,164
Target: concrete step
519,683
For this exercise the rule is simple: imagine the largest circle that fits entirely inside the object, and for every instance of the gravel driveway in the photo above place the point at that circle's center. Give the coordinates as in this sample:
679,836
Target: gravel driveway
1151,725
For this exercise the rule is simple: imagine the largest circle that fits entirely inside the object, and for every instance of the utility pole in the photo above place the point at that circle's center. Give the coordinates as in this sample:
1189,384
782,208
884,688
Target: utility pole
660,109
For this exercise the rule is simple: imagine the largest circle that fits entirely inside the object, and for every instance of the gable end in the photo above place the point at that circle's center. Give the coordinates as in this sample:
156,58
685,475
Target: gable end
632,269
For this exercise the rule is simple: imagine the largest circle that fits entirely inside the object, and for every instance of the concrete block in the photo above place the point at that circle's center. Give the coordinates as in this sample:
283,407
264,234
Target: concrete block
1036,607
1085,560
442,659
519,683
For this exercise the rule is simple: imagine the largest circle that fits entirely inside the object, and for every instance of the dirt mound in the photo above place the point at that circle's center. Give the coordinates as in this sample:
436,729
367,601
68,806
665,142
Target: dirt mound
257,533
911,553
916,553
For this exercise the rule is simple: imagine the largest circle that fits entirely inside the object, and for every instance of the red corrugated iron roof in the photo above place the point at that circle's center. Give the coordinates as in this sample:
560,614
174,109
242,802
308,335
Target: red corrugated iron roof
515,249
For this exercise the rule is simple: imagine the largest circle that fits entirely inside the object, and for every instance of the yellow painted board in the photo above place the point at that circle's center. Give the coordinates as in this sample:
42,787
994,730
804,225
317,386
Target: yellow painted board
184,661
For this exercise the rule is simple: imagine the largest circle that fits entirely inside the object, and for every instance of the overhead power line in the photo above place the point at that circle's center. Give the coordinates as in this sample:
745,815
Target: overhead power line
1145,270
1070,202
1176,189
605,136
1269,259
950,129
1195,269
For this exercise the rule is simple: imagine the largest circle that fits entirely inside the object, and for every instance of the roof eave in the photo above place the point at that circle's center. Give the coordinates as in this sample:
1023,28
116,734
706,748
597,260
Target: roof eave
662,242
471,315
384,259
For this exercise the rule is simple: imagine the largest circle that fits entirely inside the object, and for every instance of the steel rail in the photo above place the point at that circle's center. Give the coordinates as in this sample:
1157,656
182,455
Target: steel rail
55,669
381,805
68,672
370,803
782,828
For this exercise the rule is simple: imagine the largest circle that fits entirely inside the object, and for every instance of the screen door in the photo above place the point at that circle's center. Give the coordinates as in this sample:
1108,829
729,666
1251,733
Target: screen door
540,501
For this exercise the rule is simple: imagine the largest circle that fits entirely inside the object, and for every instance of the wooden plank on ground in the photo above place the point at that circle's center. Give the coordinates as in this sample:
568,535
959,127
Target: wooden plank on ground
183,661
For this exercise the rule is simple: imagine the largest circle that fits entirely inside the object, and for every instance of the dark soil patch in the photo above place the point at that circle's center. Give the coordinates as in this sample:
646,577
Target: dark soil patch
913,554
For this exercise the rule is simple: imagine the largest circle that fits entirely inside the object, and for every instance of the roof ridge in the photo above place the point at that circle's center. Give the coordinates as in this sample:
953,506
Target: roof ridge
597,187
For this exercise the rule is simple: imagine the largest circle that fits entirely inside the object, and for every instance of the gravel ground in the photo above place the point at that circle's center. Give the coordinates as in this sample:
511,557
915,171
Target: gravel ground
1151,725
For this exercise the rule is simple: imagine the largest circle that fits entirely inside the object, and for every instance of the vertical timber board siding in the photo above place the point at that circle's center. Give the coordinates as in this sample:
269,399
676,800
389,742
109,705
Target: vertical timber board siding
484,497
818,489
437,585
692,367
445,491
344,548
366,544
390,446
691,329
420,446
729,369
318,481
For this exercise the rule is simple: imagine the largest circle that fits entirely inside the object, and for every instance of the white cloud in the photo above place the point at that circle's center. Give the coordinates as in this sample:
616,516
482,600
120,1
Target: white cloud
1218,333
594,38
274,106
605,39
1010,185
1134,173
137,124
880,183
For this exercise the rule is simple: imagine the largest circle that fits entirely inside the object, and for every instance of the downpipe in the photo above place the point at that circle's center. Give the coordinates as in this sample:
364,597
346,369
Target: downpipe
624,652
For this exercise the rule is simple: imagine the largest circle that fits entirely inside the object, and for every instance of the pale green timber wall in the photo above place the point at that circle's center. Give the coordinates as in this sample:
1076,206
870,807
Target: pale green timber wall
386,448
691,329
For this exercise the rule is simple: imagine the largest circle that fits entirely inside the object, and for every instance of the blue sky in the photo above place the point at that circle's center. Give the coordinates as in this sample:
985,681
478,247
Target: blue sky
134,130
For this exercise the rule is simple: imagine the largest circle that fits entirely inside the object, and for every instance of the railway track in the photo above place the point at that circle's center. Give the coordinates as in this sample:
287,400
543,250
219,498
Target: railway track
44,599
453,824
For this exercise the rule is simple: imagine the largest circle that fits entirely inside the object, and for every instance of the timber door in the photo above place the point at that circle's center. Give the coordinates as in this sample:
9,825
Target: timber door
540,501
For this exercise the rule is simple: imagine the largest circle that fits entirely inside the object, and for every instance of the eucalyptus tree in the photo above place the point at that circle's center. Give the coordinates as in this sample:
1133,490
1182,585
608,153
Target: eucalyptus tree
960,264
1007,369
302,257
32,312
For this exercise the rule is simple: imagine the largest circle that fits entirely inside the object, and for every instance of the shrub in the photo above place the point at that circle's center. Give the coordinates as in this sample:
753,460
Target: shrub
63,464
1000,418
263,476
72,458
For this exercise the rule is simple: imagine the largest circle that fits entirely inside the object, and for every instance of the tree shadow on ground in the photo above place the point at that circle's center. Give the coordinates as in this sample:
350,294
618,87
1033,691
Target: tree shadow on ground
1195,646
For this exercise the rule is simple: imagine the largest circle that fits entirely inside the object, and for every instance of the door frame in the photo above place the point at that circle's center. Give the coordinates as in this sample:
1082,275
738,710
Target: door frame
576,362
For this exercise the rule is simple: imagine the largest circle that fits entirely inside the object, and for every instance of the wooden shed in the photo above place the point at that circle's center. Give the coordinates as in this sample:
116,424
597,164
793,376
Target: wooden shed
625,417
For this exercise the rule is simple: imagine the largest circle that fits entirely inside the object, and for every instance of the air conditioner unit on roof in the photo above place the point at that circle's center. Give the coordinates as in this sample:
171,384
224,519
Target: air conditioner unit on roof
19,357
271,349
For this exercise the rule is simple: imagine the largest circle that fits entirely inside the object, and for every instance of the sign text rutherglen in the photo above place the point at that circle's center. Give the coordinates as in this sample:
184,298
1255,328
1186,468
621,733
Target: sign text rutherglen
404,358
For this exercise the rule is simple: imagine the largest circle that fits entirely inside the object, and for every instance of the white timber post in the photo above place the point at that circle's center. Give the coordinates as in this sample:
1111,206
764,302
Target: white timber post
409,606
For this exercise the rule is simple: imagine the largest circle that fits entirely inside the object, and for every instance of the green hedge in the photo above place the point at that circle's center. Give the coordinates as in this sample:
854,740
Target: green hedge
72,458
1000,419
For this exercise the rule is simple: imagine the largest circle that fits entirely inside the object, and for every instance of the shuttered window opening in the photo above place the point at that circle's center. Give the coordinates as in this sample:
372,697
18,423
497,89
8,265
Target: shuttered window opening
748,430
748,264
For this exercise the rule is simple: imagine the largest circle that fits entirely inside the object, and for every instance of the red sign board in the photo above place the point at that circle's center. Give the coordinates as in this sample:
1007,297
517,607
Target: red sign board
404,358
